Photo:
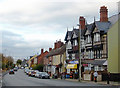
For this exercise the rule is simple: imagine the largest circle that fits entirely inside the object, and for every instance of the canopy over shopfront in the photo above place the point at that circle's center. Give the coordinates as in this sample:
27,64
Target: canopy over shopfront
72,66
96,62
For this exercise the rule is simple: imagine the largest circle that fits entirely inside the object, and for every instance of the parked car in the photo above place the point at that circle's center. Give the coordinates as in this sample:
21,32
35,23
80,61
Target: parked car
29,73
44,75
26,70
22,67
37,75
11,71
33,73
15,69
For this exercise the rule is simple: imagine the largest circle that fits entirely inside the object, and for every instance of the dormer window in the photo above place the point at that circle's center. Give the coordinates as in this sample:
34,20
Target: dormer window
68,38
96,37
74,35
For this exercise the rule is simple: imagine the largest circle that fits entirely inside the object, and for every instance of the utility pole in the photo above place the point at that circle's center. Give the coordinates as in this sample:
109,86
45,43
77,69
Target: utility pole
79,46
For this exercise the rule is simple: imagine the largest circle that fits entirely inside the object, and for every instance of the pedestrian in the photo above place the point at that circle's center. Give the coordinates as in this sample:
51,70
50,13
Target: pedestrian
108,77
95,76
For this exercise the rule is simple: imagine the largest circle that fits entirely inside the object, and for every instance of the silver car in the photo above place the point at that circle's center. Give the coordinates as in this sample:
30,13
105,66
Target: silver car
37,75
44,75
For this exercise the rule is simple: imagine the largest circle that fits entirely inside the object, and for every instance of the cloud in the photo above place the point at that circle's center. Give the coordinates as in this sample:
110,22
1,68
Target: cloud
29,25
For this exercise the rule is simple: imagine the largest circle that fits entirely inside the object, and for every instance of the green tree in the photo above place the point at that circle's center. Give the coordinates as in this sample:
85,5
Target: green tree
19,62
38,67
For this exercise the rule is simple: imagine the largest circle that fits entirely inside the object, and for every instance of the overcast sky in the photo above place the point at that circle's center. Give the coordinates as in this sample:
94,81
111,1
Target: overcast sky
26,26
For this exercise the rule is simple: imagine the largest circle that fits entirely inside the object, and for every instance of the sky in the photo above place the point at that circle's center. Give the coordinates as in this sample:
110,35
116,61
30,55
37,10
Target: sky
26,26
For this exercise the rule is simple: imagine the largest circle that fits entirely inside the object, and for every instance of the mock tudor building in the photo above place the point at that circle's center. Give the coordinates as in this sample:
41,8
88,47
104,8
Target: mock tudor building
95,40
94,43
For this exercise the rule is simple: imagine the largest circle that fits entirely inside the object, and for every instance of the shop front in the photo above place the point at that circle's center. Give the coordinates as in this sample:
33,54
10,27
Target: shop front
72,71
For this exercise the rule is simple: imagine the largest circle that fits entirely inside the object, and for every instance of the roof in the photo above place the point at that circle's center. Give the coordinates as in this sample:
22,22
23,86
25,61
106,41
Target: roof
76,31
89,28
114,18
33,57
69,33
57,51
103,26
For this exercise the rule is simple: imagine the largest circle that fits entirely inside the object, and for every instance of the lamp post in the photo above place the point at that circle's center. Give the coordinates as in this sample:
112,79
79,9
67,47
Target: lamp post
79,46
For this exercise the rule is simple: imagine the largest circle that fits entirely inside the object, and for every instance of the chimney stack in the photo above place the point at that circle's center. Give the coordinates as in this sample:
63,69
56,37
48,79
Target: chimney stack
50,49
41,51
82,22
103,14
55,45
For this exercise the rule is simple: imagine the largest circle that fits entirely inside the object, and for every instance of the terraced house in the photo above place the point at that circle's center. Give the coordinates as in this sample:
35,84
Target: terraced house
93,43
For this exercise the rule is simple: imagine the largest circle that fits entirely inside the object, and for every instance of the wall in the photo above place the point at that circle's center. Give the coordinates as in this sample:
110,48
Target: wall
113,49
56,59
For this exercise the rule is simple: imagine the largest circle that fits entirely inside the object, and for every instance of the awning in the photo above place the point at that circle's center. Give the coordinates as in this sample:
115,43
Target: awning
95,62
71,66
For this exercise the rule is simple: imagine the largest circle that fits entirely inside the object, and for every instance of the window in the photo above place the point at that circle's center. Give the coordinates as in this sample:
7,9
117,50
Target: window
69,46
88,39
76,43
92,54
98,53
96,37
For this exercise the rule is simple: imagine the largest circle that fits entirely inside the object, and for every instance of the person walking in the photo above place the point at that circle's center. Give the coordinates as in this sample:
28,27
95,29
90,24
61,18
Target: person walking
95,76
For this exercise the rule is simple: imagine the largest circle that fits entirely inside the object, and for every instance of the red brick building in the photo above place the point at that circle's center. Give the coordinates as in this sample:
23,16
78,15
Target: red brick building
40,58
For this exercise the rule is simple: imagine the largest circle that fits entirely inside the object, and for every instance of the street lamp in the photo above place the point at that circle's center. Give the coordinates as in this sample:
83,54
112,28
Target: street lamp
79,45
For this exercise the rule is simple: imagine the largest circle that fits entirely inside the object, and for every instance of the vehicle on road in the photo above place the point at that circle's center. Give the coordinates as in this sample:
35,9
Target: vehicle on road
33,73
22,67
29,73
44,75
15,69
11,71
37,75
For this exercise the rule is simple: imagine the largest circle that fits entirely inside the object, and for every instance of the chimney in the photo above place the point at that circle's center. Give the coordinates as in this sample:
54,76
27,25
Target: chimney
82,22
41,51
55,45
59,44
103,14
50,49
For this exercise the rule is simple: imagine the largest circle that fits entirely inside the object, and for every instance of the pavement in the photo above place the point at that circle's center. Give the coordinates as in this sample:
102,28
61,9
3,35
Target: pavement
112,83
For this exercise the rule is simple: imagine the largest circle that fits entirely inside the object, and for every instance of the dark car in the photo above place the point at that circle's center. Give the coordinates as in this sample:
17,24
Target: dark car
15,69
44,75
11,71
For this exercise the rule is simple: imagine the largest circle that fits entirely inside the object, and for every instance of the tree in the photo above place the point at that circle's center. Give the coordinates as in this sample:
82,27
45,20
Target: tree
19,62
38,67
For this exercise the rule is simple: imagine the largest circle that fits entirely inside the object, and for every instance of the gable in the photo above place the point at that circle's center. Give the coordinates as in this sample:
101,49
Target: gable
87,32
96,30
74,35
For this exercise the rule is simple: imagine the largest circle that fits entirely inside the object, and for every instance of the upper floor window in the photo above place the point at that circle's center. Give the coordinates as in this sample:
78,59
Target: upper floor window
68,38
96,37
88,39
69,45
76,43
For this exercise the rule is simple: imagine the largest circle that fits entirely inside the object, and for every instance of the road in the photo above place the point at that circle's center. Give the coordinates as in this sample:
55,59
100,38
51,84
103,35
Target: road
21,79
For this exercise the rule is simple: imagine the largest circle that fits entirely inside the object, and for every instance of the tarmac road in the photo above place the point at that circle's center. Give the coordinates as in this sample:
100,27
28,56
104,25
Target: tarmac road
21,79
